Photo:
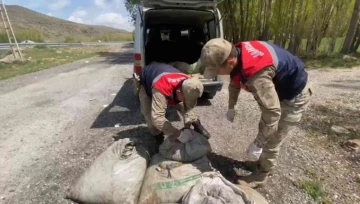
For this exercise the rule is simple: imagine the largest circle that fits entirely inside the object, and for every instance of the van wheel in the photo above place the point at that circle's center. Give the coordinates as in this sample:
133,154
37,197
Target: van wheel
208,95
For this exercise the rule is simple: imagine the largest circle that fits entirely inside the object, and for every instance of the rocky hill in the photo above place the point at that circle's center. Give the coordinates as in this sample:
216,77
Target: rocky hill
53,28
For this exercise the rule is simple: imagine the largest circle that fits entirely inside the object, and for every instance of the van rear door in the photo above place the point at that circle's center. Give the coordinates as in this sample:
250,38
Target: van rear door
205,4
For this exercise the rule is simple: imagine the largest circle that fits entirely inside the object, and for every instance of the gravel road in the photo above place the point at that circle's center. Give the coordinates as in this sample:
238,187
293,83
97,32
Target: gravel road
55,122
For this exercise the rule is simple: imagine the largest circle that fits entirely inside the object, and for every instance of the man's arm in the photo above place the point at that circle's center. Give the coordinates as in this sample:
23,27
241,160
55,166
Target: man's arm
265,94
158,109
234,92
189,115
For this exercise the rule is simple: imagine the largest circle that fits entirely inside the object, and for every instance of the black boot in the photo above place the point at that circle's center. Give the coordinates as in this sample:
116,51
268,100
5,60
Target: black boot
159,139
200,129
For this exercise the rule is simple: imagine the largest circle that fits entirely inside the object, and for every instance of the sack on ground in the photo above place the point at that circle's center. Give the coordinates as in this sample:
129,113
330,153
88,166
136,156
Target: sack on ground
195,149
253,194
115,176
213,188
161,187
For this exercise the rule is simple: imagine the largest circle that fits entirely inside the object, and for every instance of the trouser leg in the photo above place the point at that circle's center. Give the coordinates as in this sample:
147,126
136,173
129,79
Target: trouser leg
145,107
291,113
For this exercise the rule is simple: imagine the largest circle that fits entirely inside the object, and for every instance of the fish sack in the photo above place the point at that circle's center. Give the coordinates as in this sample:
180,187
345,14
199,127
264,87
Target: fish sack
115,176
195,68
213,188
159,187
253,194
190,151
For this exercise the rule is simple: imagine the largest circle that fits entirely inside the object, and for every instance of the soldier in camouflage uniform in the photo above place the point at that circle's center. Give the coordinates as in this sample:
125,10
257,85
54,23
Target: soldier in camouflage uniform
163,85
279,84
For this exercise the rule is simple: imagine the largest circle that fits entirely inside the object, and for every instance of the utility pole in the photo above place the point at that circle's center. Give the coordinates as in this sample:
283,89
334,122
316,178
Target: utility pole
9,35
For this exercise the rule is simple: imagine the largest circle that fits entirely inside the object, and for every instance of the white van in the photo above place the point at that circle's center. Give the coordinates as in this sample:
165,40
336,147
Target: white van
176,30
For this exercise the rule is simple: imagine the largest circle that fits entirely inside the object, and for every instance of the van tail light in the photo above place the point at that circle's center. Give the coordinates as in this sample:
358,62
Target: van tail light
137,64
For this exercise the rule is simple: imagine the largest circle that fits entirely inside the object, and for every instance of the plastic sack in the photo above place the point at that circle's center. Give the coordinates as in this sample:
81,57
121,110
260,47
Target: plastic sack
213,188
253,194
195,68
115,176
190,151
161,187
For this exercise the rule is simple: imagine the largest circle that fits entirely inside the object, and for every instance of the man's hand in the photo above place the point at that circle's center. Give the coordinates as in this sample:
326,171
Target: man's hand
254,151
230,115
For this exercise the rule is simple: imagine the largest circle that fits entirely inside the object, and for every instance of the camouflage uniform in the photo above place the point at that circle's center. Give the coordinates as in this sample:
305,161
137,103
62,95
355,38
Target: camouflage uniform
159,82
267,72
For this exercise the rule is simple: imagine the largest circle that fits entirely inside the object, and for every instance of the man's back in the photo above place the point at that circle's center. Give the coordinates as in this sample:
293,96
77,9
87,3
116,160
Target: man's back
154,72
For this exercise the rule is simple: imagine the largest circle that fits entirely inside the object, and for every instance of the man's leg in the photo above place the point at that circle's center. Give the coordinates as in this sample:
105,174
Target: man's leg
291,113
263,90
145,107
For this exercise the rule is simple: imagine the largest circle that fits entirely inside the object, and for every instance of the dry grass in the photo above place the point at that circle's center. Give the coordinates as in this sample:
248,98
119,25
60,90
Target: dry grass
42,58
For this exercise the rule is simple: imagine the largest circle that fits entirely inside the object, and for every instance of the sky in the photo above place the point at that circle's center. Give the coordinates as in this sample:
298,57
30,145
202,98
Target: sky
94,12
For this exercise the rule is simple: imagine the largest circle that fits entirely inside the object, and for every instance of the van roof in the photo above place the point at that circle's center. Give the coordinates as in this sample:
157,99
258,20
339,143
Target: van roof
205,4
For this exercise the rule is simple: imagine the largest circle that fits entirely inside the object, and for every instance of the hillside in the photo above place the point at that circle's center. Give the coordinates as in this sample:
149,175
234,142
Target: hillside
53,28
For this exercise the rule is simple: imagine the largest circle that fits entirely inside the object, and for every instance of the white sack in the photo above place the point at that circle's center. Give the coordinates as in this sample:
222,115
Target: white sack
115,176
195,149
253,194
213,188
158,188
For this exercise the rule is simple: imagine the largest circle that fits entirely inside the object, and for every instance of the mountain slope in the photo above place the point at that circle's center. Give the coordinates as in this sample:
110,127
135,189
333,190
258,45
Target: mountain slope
53,28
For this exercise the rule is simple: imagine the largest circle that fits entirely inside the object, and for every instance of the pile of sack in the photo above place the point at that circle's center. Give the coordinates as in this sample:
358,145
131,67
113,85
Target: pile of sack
180,173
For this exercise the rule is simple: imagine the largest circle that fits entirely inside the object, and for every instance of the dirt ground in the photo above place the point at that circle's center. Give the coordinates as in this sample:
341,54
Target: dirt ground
55,122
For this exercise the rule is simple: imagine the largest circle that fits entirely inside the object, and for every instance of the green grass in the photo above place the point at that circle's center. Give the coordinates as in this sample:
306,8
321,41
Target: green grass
325,59
330,61
42,58
313,189
119,37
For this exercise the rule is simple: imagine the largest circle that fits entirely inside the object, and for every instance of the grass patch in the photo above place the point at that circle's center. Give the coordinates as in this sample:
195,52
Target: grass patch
332,61
40,58
313,189
358,179
310,172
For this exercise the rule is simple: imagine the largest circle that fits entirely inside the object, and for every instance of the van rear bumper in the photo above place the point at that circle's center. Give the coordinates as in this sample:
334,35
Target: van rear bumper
212,86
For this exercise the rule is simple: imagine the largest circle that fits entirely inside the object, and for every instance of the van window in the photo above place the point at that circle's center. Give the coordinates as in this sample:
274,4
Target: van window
206,32
212,29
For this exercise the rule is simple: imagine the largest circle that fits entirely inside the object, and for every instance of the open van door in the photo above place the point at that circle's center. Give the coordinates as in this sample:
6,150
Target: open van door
205,4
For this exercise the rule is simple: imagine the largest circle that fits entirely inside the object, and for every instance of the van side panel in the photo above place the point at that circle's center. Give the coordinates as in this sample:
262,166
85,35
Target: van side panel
139,56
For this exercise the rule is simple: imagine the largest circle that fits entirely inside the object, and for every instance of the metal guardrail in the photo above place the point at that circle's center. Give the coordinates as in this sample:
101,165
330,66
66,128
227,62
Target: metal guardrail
6,46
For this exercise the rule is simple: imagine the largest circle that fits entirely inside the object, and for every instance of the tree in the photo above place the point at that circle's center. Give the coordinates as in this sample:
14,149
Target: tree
131,7
352,28
301,26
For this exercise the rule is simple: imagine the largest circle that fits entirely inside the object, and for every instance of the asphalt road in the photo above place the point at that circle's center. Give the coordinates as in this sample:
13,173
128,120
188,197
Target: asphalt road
55,122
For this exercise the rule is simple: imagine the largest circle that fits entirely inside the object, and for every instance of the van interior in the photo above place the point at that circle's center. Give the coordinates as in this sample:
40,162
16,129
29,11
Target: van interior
177,34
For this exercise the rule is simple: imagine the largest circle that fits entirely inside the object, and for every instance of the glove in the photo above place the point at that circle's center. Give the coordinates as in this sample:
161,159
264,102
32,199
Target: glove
230,115
185,136
254,152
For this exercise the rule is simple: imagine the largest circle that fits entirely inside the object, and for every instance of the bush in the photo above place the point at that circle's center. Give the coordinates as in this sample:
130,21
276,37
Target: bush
69,39
116,37
29,34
